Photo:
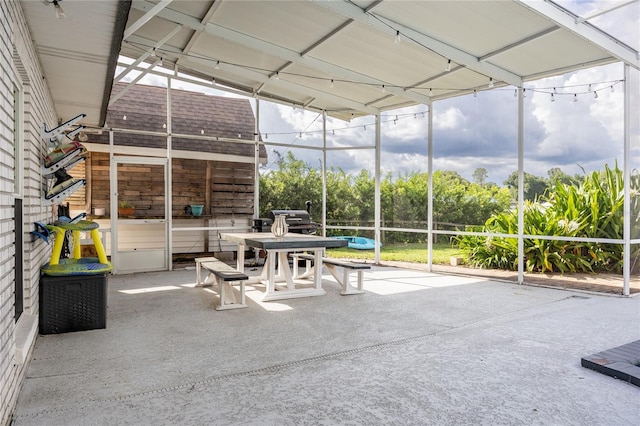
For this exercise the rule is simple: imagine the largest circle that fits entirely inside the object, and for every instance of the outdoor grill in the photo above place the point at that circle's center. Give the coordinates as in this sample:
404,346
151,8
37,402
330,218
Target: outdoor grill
299,221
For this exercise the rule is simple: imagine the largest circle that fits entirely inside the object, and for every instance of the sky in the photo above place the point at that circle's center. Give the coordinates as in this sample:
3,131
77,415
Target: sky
472,132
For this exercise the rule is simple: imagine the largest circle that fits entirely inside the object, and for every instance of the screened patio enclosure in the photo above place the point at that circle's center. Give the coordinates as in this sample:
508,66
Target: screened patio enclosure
350,59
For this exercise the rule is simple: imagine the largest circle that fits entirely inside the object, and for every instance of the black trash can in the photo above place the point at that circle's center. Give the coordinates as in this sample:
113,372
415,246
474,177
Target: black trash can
72,303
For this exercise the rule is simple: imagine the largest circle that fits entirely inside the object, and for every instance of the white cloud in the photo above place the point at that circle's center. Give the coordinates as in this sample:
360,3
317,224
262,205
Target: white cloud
451,118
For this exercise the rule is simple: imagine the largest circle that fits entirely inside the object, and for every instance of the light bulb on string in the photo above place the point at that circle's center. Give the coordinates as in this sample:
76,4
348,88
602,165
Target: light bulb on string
430,92
575,97
217,66
524,93
331,84
553,99
398,39
202,131
383,90
595,94
490,82
124,117
59,12
515,93
475,93
612,90
554,90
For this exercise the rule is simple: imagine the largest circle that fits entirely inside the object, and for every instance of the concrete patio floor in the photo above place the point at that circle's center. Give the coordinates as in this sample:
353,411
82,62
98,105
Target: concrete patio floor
418,348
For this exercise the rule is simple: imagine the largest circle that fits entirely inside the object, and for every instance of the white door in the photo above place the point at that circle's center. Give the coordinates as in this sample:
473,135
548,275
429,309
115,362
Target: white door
139,235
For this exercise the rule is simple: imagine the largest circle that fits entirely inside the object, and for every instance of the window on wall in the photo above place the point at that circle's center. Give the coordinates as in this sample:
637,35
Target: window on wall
18,205
17,141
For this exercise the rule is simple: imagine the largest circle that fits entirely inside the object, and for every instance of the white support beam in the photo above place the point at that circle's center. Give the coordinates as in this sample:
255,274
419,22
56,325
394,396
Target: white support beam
148,53
352,11
266,80
145,18
279,51
609,8
430,188
377,203
569,22
196,34
132,83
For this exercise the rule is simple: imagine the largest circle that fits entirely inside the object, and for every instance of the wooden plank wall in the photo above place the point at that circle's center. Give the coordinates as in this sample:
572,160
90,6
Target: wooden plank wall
232,186
224,188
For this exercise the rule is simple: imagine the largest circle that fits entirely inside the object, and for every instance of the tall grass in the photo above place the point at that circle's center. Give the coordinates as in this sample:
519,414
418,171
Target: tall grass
594,209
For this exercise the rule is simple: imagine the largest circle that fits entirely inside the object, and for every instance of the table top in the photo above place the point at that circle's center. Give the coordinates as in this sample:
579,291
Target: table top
267,241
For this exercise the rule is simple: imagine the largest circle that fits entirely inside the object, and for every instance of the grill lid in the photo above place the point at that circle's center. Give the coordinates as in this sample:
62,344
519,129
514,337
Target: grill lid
293,217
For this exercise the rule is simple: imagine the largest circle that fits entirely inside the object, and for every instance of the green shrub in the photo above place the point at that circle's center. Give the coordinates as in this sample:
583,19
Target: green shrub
592,209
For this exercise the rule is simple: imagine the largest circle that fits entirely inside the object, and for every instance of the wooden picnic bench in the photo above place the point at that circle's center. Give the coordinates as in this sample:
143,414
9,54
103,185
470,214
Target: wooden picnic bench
334,266
225,277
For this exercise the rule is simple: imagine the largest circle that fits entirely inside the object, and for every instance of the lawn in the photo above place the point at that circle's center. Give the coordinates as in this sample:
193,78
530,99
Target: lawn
413,252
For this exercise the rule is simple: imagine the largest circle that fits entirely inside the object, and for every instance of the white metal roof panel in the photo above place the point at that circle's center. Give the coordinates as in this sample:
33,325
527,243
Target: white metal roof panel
289,51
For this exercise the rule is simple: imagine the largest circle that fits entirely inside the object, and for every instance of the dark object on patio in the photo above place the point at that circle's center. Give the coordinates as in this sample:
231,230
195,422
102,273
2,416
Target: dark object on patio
299,221
72,303
620,363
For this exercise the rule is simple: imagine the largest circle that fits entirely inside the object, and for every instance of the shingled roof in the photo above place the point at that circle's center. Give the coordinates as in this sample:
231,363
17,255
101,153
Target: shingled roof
192,113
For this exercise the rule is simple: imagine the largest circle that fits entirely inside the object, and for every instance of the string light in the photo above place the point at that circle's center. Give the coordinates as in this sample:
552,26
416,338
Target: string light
124,117
383,89
590,87
202,132
553,99
575,97
515,93
524,93
398,38
595,94
475,93
59,12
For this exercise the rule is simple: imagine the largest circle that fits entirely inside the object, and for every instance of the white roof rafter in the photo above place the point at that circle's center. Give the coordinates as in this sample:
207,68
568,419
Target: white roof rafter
279,51
592,34
458,56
